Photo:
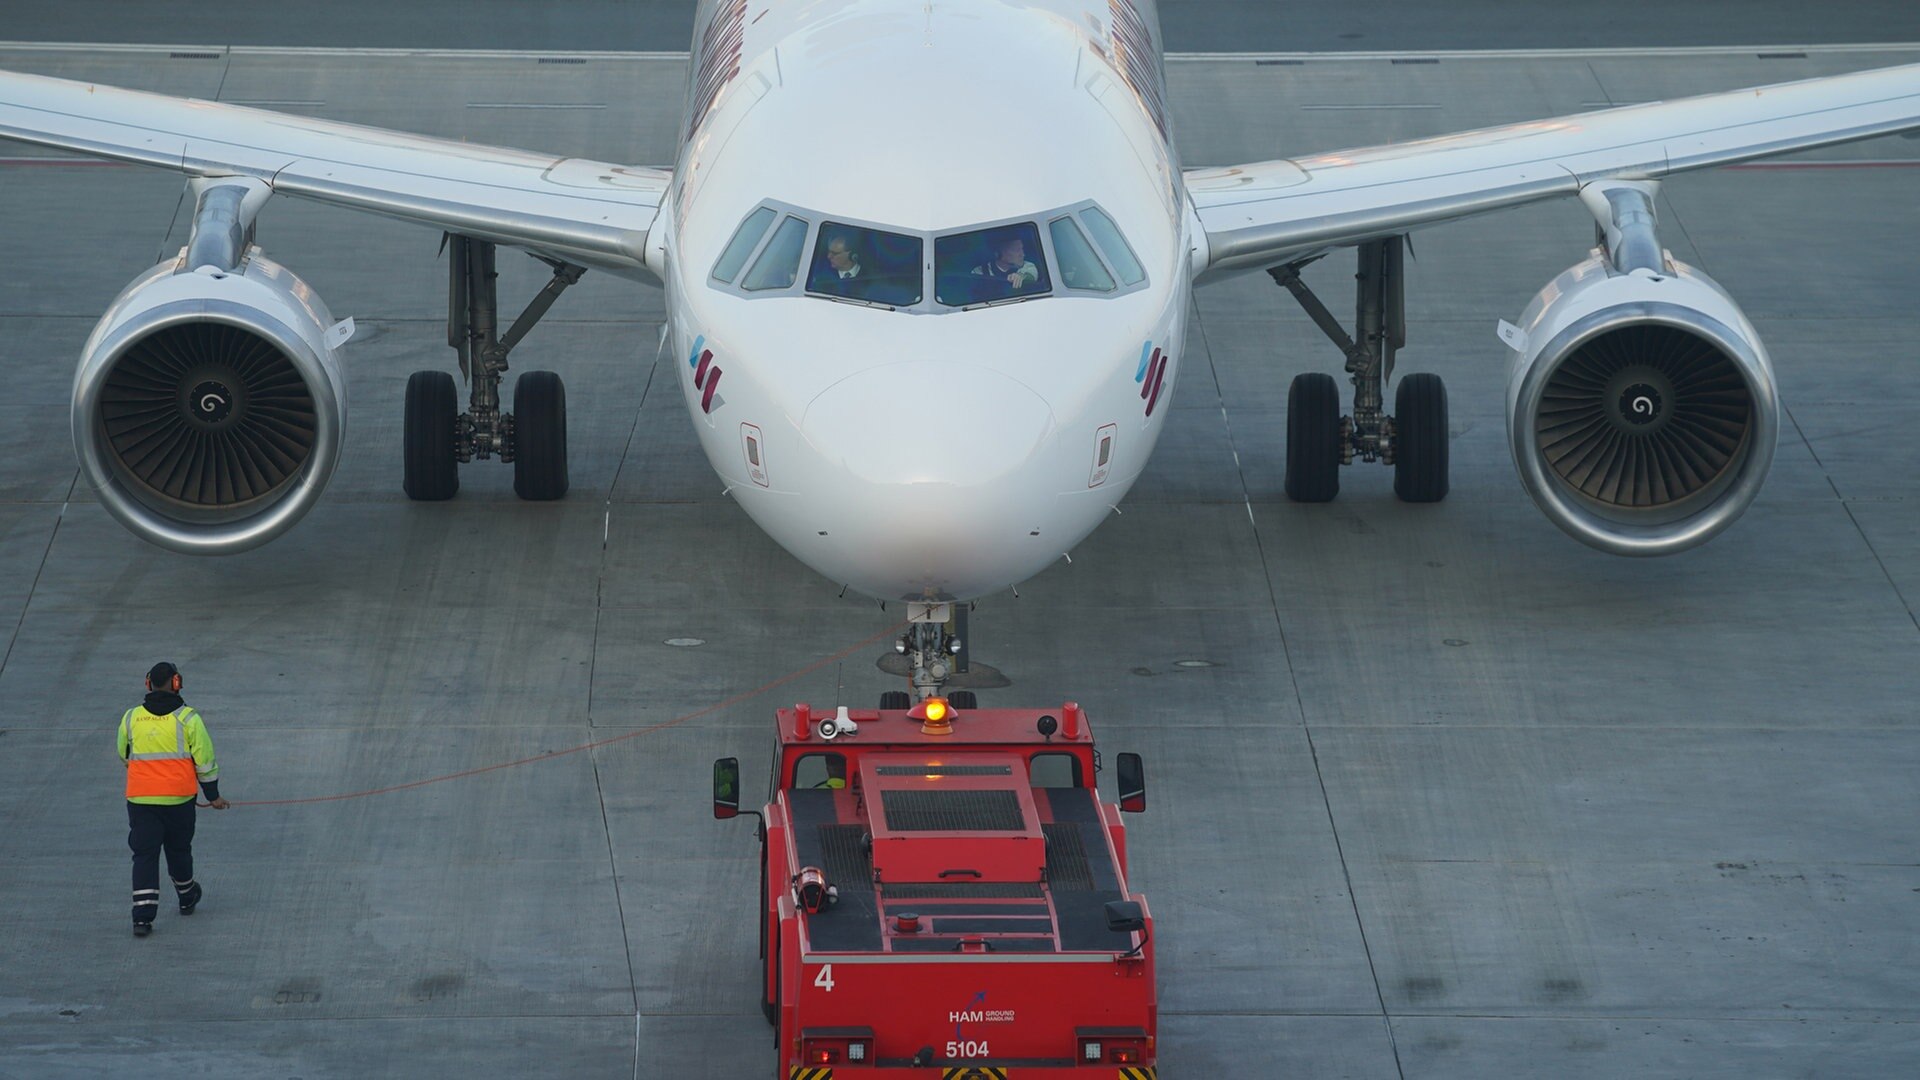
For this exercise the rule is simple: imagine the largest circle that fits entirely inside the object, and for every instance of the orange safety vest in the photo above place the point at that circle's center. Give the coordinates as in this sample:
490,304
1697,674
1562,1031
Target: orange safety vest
155,768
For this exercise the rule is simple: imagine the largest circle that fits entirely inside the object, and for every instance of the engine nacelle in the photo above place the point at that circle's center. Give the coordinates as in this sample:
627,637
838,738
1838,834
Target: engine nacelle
1641,410
208,409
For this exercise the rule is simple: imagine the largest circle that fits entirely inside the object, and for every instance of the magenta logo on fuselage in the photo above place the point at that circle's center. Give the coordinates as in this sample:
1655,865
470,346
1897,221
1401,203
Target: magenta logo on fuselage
706,375
1152,373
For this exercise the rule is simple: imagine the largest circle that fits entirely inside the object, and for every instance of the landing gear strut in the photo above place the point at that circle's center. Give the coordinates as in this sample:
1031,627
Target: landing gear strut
1319,440
535,439
934,651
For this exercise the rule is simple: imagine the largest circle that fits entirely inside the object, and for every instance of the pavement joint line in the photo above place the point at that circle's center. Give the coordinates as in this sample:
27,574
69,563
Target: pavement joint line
27,602
1847,508
1286,653
593,664
1601,85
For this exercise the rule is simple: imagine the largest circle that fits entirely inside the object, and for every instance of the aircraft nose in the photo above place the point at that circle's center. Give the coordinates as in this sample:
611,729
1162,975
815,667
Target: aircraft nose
929,424
938,492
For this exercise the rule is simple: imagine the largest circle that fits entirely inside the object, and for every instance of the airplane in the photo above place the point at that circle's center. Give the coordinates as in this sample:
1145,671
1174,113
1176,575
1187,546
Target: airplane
929,358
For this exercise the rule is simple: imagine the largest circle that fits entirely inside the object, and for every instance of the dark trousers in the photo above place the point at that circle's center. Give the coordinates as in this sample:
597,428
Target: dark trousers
151,829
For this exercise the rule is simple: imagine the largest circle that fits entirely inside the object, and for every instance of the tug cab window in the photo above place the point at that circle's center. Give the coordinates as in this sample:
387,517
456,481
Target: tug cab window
854,262
1054,771
779,263
987,266
824,771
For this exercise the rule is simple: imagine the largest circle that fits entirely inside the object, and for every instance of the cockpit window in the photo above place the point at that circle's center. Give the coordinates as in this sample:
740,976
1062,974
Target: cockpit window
1079,267
779,264
1107,235
987,266
1070,252
741,246
858,263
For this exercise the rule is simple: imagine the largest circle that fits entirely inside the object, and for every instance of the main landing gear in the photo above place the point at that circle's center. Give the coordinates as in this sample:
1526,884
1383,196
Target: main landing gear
1319,440
534,436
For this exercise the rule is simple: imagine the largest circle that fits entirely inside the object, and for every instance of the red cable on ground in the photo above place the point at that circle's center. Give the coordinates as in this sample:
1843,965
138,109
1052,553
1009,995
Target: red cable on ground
662,726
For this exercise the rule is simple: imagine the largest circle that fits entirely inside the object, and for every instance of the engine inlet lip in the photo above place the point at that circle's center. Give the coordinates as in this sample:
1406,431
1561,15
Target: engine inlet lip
162,521
1633,534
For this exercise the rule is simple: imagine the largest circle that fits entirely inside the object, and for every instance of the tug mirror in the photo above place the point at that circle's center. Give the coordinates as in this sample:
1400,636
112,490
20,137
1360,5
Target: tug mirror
1125,916
1133,783
726,787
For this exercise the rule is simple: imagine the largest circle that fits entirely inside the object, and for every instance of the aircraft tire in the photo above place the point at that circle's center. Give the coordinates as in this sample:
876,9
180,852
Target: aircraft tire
1313,438
895,699
539,436
963,699
1420,450
429,472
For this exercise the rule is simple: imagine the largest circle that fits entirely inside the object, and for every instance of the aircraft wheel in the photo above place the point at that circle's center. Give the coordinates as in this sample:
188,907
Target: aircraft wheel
963,699
1420,440
429,471
1313,438
896,699
539,436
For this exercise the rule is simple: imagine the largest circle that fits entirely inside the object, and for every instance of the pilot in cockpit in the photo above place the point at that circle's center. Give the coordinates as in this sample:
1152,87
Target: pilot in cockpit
1009,263
841,274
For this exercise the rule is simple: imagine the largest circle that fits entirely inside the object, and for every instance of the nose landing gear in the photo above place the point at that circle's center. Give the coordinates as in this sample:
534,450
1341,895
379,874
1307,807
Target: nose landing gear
931,648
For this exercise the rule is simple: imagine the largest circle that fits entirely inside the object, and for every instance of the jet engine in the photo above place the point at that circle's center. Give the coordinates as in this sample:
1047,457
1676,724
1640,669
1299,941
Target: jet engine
208,406
1641,406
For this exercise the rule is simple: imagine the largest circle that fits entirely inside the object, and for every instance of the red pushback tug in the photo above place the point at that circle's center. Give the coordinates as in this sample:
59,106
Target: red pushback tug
943,896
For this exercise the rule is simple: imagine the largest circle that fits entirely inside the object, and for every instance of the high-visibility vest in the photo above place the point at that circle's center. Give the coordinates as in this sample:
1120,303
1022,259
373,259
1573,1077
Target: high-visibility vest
158,761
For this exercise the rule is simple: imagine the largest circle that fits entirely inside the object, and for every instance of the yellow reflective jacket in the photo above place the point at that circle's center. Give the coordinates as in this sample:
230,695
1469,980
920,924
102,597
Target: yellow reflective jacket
168,755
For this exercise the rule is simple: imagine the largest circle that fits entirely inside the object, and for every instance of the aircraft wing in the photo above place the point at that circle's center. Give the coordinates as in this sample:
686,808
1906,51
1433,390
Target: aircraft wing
589,212
1262,214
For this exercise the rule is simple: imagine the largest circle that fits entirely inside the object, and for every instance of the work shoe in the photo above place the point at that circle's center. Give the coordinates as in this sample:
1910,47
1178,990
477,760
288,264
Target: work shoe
142,929
190,899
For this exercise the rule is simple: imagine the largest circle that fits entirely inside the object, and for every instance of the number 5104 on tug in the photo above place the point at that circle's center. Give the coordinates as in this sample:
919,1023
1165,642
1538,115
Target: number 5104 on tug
943,894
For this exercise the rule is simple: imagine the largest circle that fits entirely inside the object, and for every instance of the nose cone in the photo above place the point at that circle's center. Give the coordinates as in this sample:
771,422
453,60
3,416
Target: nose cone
928,425
942,480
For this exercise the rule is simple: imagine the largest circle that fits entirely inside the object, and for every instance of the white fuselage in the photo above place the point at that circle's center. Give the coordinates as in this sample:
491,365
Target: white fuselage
924,454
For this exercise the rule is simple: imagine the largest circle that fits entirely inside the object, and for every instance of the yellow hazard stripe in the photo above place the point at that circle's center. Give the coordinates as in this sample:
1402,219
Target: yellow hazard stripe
975,1072
1144,1072
809,1072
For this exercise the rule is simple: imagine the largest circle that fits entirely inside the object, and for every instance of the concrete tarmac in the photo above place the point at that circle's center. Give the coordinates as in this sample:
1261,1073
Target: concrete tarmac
1437,792
1189,25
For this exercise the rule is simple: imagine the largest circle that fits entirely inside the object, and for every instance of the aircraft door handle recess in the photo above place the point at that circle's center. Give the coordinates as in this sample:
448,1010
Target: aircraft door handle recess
1102,454
755,448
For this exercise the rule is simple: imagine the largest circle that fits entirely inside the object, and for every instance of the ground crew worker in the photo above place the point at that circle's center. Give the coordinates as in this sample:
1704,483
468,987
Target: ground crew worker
168,754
